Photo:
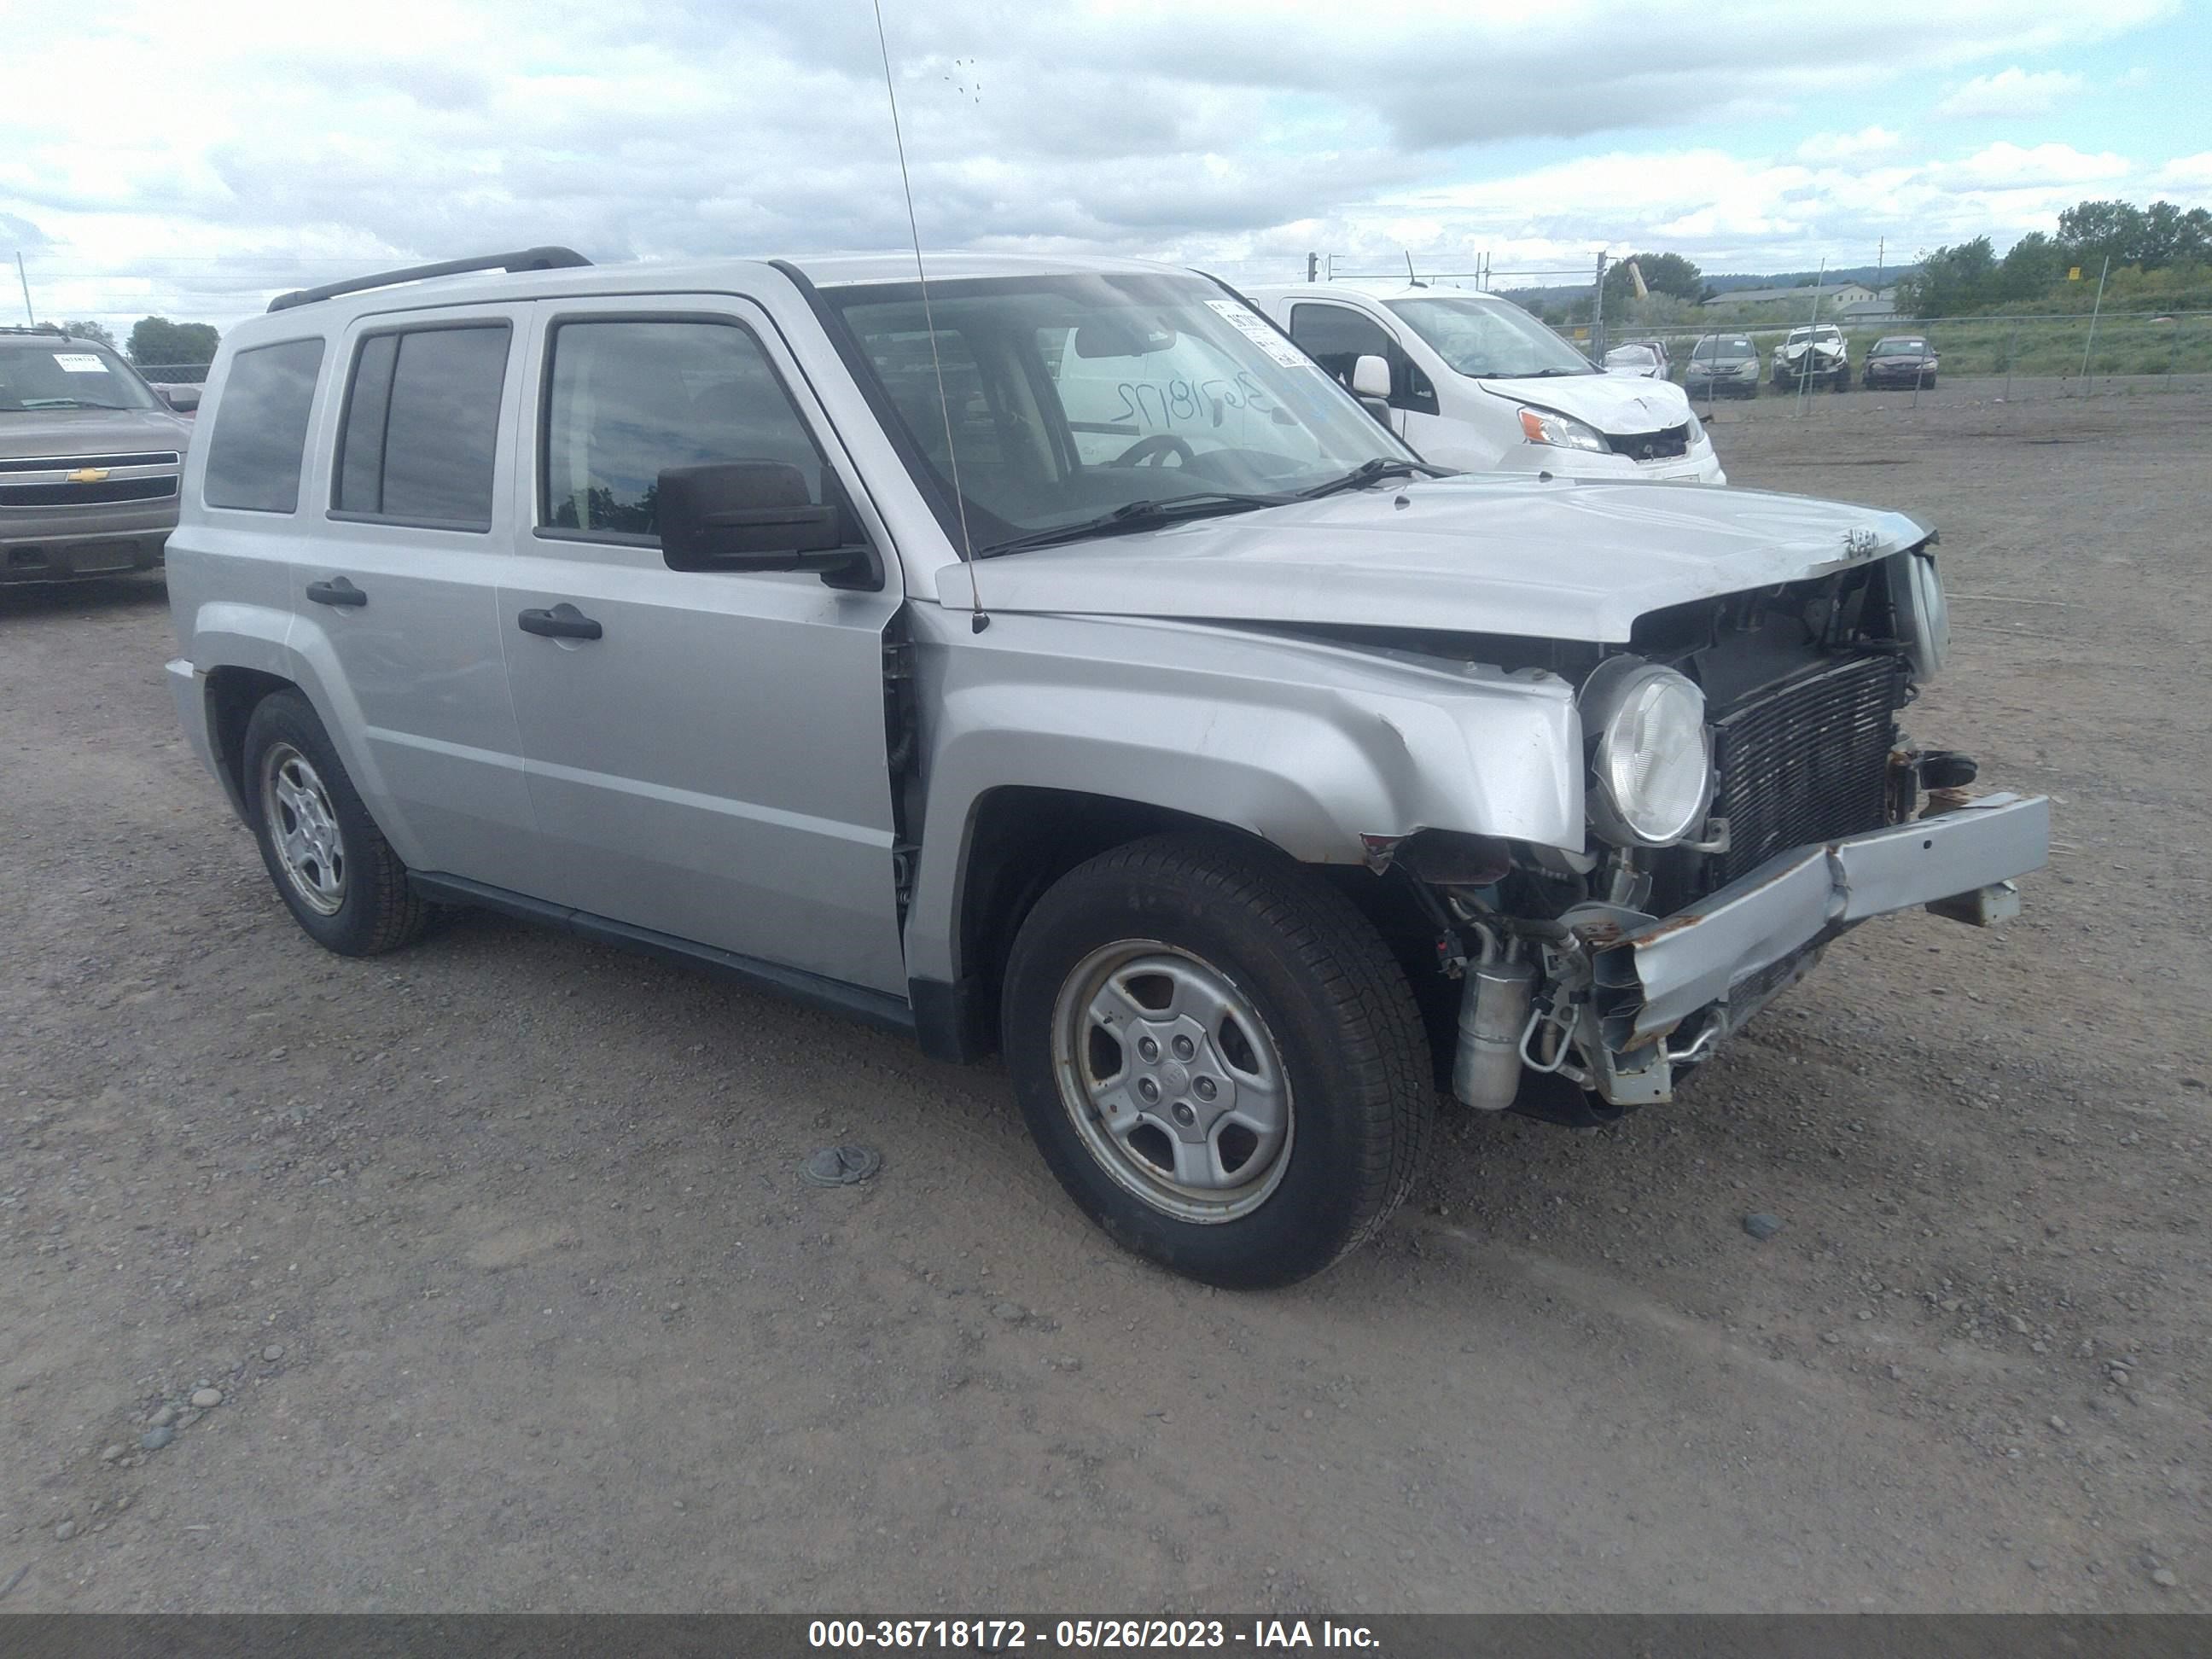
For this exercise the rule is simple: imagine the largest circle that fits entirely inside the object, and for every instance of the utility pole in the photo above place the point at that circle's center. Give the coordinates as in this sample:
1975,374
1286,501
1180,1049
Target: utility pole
1805,358
1597,312
1313,267
29,315
1880,247
2085,349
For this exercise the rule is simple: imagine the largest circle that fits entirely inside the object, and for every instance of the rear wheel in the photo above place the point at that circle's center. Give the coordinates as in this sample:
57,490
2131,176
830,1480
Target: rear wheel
332,865
1218,1057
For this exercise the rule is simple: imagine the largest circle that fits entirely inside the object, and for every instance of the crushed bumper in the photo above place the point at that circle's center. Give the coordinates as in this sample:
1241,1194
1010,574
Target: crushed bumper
1735,947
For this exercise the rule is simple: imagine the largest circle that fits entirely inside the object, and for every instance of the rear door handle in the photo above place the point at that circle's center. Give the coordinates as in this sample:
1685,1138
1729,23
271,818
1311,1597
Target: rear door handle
562,622
337,591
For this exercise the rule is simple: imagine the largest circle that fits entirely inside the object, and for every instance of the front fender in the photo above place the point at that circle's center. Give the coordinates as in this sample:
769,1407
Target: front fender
1307,746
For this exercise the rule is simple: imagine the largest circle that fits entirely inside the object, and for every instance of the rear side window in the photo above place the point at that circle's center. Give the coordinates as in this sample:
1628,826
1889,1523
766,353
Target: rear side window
260,436
421,436
625,398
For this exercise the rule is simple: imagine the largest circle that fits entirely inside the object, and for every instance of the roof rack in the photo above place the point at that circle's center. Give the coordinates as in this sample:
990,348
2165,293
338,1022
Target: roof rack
529,258
50,330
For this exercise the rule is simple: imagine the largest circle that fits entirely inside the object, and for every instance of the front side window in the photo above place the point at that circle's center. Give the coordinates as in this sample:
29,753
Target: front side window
1490,339
421,437
260,437
69,374
1065,397
627,397
1337,338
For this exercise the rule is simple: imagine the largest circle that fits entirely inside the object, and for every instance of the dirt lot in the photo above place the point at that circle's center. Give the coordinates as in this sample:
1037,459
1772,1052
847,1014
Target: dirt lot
498,1252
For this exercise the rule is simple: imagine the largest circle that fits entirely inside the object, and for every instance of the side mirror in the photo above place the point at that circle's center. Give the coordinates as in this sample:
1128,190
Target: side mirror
182,398
1370,378
756,516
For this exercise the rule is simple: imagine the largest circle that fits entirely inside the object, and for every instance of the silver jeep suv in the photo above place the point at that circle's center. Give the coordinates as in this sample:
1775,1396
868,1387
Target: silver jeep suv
1054,659
89,459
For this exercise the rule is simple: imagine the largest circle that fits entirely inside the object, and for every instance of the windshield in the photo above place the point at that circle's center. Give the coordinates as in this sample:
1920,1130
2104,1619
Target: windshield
1899,348
1817,336
1490,339
1641,356
1731,349
69,374
1069,397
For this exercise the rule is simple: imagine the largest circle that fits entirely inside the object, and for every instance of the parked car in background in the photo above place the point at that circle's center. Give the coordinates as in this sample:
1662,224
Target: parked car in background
89,459
1115,693
1812,356
1636,359
1723,366
1474,382
1900,359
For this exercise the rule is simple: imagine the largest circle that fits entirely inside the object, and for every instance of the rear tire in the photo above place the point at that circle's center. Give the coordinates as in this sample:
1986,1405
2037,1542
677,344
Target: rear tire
1199,982
330,864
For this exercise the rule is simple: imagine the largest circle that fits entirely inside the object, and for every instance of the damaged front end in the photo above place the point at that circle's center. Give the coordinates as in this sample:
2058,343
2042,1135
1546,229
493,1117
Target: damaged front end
1751,798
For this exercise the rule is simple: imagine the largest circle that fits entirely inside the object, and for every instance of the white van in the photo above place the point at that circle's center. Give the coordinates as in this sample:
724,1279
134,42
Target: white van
1476,383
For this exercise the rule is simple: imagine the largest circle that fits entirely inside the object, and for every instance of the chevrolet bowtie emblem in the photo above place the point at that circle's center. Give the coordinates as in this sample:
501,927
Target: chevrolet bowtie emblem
88,475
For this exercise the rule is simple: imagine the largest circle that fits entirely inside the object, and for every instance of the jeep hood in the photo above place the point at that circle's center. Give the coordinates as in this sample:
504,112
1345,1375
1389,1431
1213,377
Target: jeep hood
1478,553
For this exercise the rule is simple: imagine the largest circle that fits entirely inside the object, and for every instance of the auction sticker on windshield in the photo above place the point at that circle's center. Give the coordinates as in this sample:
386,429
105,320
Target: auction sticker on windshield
1262,333
80,362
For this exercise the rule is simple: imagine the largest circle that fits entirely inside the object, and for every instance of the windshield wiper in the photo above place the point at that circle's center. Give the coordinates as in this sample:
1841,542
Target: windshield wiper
1138,516
65,402
1368,472
1543,374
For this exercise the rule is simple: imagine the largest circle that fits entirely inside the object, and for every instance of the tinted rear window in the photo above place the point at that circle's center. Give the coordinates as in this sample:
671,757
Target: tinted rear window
421,437
260,436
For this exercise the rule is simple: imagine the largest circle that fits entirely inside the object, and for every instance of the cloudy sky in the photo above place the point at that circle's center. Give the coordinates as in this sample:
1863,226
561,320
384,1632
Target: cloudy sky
193,159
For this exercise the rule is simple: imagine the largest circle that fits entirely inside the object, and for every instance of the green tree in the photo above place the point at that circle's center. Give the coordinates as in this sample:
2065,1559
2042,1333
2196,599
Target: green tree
2031,268
2171,236
92,331
156,341
1952,282
2095,231
1664,273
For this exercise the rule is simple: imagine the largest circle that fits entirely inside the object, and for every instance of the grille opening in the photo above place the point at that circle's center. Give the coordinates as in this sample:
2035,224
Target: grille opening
1802,761
70,462
88,495
1664,444
1807,761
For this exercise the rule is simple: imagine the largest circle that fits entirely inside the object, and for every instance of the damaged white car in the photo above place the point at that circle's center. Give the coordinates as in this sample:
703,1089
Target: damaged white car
1813,357
1055,661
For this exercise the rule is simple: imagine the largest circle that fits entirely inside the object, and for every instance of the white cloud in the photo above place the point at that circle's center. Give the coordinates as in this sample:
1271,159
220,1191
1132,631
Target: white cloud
2188,178
239,147
2008,167
2010,92
1849,146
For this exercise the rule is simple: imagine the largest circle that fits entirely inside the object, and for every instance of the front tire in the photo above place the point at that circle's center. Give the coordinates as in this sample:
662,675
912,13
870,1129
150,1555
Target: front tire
332,865
1218,1057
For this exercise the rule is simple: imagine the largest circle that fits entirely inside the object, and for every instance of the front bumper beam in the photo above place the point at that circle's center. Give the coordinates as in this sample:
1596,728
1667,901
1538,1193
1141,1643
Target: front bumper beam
1744,937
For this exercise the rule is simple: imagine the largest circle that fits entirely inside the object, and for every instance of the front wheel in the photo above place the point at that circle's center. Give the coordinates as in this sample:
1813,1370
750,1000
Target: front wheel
1218,1057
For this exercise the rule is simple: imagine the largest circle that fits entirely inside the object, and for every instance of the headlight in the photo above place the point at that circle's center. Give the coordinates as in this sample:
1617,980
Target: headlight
1542,426
1651,762
1924,615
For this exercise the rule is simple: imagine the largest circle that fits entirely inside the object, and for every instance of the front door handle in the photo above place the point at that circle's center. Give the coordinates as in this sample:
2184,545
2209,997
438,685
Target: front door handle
337,591
562,622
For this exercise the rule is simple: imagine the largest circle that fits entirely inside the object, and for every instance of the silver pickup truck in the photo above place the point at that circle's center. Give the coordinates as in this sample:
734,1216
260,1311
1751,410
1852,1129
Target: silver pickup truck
89,459
1052,660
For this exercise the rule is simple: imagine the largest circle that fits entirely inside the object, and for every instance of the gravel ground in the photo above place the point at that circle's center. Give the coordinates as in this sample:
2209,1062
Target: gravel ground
482,1276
